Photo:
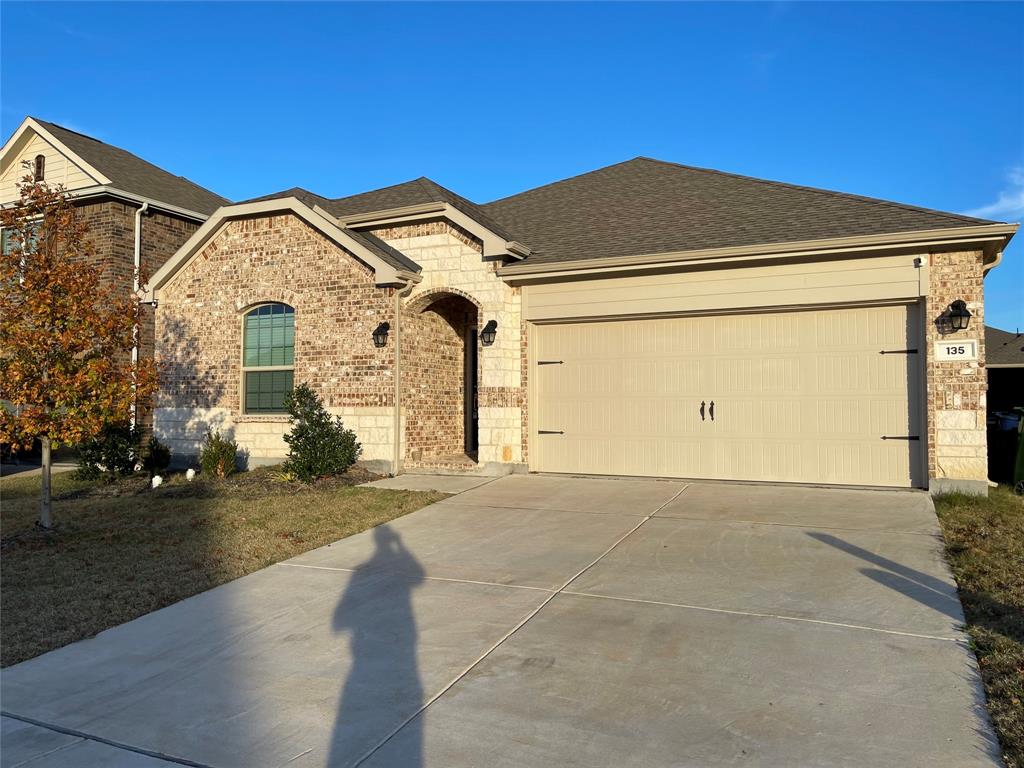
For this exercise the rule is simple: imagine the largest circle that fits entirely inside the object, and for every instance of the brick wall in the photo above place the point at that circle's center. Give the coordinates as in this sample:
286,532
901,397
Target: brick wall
956,389
337,306
434,376
112,231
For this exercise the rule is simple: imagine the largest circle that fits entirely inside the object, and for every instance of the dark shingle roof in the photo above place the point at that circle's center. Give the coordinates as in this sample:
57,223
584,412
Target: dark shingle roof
133,174
304,195
1003,347
415,192
646,206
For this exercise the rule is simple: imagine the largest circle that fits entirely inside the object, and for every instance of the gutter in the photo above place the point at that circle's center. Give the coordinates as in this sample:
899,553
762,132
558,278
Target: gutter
922,238
136,274
87,192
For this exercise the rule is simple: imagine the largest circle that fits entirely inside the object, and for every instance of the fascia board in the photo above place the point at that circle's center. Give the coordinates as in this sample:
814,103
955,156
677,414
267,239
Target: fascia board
795,249
494,245
30,124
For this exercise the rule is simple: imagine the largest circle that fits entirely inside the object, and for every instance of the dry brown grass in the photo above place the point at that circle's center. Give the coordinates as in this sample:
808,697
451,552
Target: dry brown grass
985,544
123,550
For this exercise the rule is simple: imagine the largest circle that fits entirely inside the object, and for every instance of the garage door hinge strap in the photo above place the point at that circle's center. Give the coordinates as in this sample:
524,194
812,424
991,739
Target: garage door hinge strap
550,432
549,362
901,437
898,352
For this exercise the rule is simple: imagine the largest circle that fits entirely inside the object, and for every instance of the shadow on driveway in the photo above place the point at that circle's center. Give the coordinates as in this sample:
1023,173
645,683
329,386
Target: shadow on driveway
382,667
928,590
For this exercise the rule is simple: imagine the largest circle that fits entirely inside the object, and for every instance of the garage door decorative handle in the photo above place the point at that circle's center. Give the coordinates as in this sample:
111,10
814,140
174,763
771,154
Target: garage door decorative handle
702,410
550,432
712,410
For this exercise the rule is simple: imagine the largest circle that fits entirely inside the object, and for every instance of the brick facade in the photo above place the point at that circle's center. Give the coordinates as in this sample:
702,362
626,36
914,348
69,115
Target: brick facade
337,306
434,366
112,231
957,441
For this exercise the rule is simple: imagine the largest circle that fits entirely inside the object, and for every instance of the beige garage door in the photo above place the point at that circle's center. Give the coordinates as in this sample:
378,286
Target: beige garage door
824,396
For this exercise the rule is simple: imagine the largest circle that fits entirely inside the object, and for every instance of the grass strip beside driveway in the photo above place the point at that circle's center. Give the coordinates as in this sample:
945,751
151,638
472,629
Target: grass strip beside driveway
123,550
985,545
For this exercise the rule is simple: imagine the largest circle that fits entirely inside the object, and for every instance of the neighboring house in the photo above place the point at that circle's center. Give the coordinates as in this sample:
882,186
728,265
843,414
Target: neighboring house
138,214
1004,365
646,318
1004,362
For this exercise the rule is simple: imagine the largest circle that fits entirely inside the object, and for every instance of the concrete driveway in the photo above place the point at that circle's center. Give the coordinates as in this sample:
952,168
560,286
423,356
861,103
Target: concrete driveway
543,621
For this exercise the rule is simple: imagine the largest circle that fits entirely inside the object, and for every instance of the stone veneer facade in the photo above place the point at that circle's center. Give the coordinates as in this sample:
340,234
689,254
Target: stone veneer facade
957,443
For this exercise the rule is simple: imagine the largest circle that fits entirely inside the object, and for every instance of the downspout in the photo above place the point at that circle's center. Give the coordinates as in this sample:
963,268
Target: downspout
136,274
399,293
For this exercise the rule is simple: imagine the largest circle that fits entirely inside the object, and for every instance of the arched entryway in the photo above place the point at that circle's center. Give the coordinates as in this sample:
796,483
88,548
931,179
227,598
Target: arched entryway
439,374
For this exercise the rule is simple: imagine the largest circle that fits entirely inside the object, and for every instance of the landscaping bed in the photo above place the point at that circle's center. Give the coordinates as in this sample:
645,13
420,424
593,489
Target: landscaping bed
985,545
122,549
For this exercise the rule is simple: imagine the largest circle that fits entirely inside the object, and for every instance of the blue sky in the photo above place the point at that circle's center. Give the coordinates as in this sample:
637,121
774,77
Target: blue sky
916,102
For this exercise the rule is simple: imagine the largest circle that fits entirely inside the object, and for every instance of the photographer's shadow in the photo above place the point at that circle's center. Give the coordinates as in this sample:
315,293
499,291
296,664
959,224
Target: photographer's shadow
383,686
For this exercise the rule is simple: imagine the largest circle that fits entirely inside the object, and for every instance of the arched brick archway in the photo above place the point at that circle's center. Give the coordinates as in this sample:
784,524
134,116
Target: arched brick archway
439,375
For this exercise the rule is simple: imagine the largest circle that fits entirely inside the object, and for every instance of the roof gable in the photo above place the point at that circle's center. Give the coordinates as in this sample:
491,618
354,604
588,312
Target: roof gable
115,167
388,265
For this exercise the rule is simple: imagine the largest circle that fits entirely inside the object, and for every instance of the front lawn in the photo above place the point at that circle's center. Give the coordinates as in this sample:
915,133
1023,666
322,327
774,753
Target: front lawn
985,544
123,550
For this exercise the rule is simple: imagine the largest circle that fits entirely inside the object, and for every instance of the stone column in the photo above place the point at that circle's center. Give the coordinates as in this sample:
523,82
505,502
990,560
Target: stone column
957,449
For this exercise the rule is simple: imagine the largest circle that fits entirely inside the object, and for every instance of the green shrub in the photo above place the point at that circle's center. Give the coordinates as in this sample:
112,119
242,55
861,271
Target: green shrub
112,453
217,458
318,445
156,458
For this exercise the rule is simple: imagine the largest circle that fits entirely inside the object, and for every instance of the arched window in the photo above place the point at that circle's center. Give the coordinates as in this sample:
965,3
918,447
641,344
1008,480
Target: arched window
268,357
39,168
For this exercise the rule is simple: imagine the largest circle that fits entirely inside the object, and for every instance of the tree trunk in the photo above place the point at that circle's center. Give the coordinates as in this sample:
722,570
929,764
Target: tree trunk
45,516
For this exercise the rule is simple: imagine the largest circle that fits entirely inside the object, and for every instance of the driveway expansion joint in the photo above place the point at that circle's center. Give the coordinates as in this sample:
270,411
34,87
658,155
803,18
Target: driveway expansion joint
427,578
805,526
776,616
101,740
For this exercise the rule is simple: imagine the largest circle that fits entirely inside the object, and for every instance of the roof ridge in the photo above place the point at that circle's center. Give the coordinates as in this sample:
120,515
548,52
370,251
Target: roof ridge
71,130
561,181
133,156
818,190
370,191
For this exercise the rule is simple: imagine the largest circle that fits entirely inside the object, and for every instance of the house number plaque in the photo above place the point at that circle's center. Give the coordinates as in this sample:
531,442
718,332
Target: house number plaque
964,349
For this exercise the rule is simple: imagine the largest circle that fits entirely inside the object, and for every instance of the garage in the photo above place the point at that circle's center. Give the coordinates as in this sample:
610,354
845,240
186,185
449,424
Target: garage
827,395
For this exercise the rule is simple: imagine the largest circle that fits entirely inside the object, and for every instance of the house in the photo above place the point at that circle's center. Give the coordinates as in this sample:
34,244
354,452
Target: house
139,215
646,318
1004,366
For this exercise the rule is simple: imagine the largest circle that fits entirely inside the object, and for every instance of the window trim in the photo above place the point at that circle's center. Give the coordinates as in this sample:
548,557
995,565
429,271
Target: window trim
39,168
243,406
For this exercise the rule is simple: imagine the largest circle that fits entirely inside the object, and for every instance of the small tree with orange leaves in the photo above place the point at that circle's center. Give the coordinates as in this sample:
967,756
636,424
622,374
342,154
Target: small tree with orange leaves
66,335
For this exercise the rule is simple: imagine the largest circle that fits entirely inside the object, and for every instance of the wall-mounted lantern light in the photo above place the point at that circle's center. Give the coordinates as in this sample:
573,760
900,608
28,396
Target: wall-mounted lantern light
959,315
489,332
380,334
